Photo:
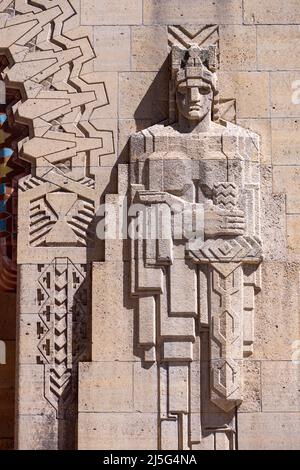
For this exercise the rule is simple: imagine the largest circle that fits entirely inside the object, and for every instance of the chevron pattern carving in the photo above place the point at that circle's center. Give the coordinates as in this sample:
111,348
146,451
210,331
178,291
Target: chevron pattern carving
225,195
193,34
59,284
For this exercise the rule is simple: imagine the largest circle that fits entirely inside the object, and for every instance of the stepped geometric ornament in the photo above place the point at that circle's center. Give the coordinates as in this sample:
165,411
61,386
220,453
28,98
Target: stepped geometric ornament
58,285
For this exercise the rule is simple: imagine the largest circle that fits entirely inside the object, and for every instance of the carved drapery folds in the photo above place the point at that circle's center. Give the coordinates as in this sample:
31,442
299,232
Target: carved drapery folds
48,61
196,301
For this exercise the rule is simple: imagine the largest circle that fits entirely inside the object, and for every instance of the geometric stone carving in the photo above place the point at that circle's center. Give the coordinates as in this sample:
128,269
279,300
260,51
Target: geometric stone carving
60,310
196,296
228,109
11,169
48,57
57,216
184,36
167,363
59,213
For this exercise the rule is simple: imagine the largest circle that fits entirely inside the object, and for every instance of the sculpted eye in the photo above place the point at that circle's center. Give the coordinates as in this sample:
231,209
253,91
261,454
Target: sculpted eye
204,90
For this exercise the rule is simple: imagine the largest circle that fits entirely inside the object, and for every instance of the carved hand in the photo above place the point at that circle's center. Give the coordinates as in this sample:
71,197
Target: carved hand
220,222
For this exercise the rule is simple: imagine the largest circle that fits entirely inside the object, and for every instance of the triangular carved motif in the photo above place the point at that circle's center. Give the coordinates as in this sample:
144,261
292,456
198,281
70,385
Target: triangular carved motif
227,109
193,34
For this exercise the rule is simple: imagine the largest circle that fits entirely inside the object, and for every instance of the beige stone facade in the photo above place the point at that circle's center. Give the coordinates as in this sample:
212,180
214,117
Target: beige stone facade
174,342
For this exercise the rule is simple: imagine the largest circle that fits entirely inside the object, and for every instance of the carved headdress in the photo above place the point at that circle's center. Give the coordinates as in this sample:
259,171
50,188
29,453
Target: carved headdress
193,63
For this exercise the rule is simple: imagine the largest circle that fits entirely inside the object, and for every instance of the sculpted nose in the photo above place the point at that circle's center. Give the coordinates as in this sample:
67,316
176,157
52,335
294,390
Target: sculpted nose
194,94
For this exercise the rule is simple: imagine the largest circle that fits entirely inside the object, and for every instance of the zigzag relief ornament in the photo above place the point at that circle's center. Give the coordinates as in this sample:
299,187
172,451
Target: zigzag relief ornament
63,304
196,295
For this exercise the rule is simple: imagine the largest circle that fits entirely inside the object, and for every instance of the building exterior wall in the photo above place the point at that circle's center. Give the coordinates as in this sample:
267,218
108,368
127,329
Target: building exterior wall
125,47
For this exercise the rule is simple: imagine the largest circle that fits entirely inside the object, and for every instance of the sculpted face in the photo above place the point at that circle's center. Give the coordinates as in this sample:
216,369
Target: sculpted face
194,99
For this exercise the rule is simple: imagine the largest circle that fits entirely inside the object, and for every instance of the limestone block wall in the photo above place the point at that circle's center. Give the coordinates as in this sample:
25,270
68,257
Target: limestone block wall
119,84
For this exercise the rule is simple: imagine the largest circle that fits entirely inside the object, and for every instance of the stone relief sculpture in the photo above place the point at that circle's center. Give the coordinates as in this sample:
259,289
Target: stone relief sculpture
195,296
11,170
47,59
196,300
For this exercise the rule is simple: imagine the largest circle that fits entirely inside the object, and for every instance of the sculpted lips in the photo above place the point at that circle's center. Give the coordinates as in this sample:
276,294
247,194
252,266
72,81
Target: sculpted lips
195,108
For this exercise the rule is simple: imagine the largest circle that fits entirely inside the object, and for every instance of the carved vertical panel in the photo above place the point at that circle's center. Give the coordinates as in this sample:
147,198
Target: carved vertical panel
226,259
49,59
62,329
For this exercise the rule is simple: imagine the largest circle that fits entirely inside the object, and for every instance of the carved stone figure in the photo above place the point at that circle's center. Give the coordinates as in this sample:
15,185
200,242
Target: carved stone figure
196,296
56,169
147,341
